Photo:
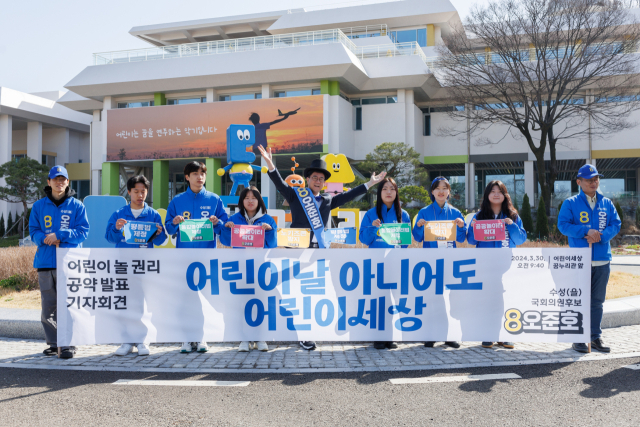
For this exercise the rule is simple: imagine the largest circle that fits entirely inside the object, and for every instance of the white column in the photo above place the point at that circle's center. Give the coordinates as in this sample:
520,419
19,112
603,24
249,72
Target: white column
211,95
6,143
34,141
95,164
471,184
267,189
409,122
529,182
266,91
401,96
99,149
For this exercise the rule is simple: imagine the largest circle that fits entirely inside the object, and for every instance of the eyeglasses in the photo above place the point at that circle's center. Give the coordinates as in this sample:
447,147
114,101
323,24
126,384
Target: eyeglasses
316,178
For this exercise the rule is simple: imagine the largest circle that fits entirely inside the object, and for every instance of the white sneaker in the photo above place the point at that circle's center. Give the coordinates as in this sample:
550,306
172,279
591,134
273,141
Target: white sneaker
186,347
143,350
244,346
203,347
262,346
124,349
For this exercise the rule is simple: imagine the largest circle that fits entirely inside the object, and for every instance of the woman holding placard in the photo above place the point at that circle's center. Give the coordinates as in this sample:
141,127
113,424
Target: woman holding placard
253,211
440,210
496,205
387,211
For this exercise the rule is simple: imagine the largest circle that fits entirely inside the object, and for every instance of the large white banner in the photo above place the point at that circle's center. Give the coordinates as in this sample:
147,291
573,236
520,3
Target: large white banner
141,295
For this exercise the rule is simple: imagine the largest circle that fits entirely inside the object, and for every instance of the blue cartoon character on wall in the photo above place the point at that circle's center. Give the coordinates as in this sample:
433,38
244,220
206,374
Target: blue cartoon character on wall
239,160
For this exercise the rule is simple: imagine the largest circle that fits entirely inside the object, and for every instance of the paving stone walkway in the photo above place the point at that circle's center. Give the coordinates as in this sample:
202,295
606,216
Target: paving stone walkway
328,357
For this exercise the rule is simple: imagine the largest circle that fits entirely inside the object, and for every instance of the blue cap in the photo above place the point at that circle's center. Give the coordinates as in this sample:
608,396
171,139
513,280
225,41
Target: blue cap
588,171
58,171
440,178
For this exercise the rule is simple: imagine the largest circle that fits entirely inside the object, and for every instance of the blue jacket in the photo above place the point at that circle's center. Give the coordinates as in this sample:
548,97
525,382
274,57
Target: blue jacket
515,234
196,206
113,235
576,219
69,222
433,212
270,237
369,234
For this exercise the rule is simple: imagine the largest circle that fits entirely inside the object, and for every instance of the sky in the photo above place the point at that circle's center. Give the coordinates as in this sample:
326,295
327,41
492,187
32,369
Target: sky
44,43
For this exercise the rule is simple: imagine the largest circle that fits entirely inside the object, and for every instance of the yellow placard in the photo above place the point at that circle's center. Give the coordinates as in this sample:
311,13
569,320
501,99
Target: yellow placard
439,231
170,243
298,238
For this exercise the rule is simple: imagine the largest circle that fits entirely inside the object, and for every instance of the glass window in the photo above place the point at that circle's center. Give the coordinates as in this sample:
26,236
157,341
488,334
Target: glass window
239,97
17,157
427,125
422,37
355,102
258,95
297,92
371,101
405,36
315,91
48,160
184,101
81,187
137,104
392,99
358,118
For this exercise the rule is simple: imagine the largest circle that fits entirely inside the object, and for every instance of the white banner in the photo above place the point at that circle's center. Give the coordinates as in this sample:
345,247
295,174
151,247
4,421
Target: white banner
139,295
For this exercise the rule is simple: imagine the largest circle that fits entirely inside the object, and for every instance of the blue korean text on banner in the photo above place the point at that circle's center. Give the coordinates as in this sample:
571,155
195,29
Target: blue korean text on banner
139,232
345,236
310,207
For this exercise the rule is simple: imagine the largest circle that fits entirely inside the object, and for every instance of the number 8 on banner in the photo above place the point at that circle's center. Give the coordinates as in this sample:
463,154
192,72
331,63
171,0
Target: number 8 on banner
513,324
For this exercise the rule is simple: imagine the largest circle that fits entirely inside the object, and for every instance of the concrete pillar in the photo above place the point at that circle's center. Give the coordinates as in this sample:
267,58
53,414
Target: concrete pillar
267,189
410,122
34,141
160,184
529,182
212,95
6,145
99,147
470,170
95,161
214,181
266,91
111,179
59,143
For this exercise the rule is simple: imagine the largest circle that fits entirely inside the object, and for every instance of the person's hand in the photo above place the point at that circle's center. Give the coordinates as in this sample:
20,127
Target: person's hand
120,223
266,227
229,224
593,236
473,223
51,239
159,229
177,219
376,178
214,220
376,223
459,222
421,223
267,156
508,221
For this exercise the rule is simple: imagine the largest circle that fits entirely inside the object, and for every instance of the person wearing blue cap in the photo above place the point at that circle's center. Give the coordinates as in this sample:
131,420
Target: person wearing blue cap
590,220
440,210
57,220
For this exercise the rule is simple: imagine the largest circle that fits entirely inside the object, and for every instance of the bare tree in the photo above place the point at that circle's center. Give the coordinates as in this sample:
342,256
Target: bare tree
548,69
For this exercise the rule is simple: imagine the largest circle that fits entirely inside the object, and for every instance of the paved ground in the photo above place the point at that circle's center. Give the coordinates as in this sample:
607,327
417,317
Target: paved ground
329,357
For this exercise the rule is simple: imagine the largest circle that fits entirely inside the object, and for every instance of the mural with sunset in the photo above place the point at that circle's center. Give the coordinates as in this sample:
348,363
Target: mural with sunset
199,130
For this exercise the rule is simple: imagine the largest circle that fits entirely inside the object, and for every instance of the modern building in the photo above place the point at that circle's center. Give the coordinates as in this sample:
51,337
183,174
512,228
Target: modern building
35,125
371,69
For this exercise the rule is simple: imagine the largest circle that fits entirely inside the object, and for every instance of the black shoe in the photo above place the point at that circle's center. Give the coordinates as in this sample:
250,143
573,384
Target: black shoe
391,344
580,347
379,345
67,352
487,344
429,343
308,345
51,351
598,344
452,344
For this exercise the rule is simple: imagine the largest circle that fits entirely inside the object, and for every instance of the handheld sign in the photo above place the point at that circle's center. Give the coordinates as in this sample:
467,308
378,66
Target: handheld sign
395,234
439,231
298,238
196,230
247,236
345,236
489,230
139,232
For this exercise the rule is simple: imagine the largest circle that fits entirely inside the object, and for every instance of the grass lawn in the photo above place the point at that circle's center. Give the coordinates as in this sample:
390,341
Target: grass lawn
9,241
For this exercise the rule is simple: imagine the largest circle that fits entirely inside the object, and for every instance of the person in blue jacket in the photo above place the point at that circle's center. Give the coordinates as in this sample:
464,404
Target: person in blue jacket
195,203
440,210
496,204
57,220
138,211
591,220
387,211
252,211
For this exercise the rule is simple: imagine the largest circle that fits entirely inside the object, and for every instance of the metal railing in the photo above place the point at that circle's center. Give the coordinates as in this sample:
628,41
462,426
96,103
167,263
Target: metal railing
390,51
379,30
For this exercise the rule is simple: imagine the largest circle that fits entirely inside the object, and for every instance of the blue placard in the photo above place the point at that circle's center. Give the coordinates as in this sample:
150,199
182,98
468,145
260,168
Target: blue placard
345,236
139,233
99,210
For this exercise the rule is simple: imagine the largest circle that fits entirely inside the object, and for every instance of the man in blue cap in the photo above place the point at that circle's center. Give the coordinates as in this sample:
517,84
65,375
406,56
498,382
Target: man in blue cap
591,220
57,220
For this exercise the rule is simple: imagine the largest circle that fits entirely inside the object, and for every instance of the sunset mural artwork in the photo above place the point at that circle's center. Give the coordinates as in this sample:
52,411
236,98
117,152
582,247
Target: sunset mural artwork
199,130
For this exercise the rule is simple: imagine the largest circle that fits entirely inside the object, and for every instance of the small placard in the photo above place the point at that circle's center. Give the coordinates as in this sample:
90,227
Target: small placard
490,230
345,236
138,233
196,230
247,236
298,238
395,234
439,231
